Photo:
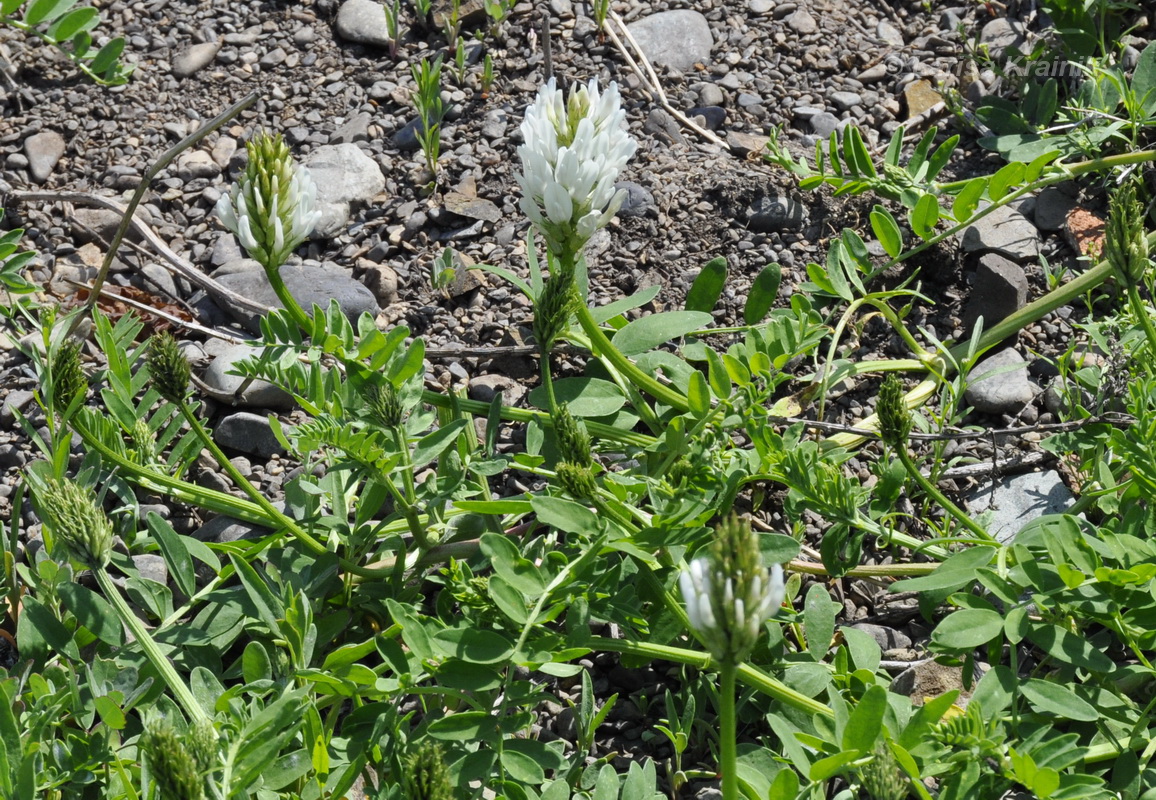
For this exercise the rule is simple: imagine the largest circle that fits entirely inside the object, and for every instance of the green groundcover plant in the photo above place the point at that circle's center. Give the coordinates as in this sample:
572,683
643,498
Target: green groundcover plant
399,620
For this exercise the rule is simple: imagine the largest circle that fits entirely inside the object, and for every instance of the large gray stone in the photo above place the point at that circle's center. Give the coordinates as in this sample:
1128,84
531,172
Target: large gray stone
248,433
344,174
1000,289
307,285
362,21
999,384
776,213
1004,231
1052,207
1016,501
194,58
219,378
675,39
43,150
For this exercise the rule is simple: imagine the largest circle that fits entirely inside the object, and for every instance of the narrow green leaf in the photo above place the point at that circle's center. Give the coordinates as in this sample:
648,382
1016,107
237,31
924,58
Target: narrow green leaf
698,395
1001,182
650,332
39,629
967,629
866,721
467,726
636,300
93,612
175,553
432,445
72,23
1055,699
508,563
708,286
269,608
886,230
1069,648
925,216
475,645
762,295
1144,80
957,571
565,515
968,198
818,621
940,157
39,11
915,167
835,275
7,7
717,374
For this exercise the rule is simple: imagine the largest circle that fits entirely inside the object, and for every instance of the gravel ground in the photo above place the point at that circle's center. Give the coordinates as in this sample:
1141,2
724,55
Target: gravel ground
805,67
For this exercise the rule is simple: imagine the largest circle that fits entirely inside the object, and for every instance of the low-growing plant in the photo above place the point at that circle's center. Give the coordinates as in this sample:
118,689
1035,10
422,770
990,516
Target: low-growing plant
69,29
393,26
402,616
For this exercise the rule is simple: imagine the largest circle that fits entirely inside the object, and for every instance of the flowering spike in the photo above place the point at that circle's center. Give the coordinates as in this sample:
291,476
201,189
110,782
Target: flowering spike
172,766
82,530
729,593
168,368
574,149
894,418
1125,242
273,207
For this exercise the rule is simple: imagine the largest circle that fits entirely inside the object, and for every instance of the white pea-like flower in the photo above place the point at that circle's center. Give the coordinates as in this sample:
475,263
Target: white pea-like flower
729,594
272,208
574,149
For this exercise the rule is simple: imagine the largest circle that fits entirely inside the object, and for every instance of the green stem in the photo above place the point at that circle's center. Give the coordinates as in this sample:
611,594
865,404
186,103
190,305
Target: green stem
728,757
750,676
138,195
601,346
300,318
1141,311
150,648
932,491
273,513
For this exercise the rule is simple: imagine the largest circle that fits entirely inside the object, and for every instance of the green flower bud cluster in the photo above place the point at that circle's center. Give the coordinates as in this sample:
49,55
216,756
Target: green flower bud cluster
178,763
558,300
894,417
426,776
729,593
575,468
68,378
81,529
384,404
1125,242
881,777
168,368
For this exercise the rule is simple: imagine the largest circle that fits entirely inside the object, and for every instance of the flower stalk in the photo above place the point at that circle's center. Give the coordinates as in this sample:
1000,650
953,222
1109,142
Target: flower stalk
271,210
729,594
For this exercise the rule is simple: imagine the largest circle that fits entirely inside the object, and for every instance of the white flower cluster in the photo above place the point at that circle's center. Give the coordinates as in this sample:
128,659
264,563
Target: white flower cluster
273,207
727,621
574,149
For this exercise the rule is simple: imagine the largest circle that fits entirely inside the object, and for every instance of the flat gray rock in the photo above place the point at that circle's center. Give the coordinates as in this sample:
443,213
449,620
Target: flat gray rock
802,22
889,34
308,285
1016,501
776,213
999,384
675,39
43,151
999,290
247,433
638,201
344,174
1004,231
1002,33
194,58
362,21
257,393
1052,207
823,124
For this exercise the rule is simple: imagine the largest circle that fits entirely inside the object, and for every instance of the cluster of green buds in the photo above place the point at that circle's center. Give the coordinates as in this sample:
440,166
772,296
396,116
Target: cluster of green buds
168,368
558,300
273,207
178,764
68,380
384,404
426,775
730,593
1125,242
80,529
575,468
894,417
